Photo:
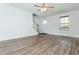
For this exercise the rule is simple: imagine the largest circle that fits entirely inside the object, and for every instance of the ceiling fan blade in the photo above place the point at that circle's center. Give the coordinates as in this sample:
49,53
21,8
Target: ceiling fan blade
38,10
37,6
50,6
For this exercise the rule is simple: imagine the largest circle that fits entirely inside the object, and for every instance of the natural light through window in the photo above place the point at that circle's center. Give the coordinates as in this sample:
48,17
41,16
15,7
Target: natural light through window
44,22
64,23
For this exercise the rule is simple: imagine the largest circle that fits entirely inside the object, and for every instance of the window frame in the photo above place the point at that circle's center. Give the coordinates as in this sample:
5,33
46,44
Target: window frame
64,28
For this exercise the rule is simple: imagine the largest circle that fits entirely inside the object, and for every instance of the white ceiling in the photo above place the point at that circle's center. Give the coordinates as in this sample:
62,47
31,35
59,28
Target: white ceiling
59,8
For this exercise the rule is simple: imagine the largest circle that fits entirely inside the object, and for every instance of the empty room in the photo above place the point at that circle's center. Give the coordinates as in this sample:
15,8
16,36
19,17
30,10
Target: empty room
39,28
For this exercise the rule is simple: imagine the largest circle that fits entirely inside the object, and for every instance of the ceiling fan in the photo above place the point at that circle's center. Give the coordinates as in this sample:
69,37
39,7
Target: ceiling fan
44,7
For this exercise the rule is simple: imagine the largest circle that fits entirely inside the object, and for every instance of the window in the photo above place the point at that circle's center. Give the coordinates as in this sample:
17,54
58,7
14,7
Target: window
44,22
64,23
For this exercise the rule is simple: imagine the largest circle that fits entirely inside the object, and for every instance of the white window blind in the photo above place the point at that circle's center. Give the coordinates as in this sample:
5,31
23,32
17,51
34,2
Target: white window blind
64,23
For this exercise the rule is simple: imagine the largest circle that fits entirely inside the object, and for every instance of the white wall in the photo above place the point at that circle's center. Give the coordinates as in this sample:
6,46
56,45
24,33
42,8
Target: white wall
15,23
52,26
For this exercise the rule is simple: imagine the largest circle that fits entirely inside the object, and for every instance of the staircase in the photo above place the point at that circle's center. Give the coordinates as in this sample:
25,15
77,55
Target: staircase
35,26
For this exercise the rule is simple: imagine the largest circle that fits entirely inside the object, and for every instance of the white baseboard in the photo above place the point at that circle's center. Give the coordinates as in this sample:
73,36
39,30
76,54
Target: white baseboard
19,36
11,38
66,35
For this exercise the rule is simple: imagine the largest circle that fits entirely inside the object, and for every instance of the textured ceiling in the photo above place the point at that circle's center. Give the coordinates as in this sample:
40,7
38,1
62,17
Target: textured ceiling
59,8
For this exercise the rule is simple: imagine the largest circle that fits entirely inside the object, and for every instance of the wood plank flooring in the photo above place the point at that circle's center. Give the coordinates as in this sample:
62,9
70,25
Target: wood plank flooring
41,45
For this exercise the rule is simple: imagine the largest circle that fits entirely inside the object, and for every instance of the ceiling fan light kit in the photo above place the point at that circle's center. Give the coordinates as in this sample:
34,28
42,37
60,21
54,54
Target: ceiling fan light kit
43,8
